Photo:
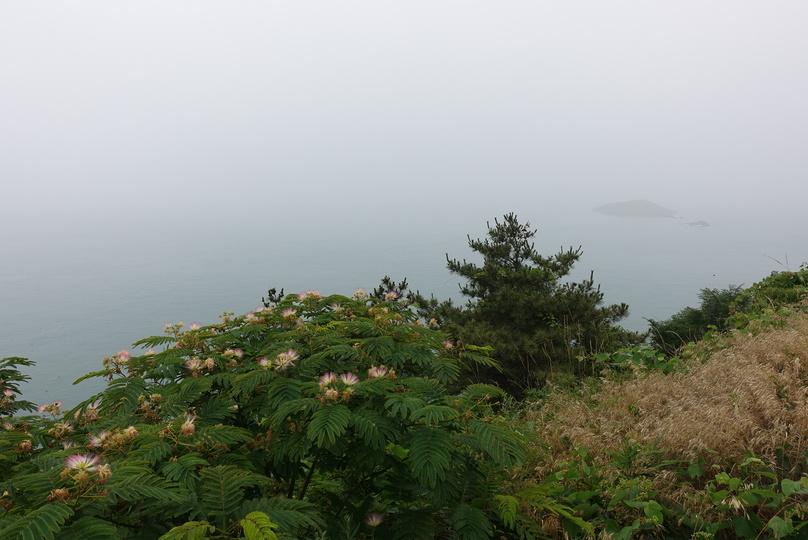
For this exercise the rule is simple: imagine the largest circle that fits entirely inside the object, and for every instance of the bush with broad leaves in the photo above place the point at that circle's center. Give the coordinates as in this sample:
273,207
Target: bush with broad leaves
315,417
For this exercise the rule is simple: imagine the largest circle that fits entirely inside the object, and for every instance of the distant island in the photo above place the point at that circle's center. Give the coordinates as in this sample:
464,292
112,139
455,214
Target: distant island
699,223
636,209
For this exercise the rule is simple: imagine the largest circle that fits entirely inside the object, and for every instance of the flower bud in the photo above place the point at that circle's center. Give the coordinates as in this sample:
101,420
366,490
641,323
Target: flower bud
188,427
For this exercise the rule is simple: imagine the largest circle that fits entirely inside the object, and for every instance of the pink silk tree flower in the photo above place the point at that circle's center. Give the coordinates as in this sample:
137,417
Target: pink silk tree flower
83,462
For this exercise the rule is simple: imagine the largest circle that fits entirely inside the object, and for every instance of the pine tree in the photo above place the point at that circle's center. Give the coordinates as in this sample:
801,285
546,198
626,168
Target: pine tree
520,303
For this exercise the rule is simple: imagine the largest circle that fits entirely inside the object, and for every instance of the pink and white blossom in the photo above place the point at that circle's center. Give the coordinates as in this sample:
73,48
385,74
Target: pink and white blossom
349,379
328,378
376,372
360,294
286,359
104,472
97,440
375,519
82,462
193,364
189,426
309,294
391,296
54,408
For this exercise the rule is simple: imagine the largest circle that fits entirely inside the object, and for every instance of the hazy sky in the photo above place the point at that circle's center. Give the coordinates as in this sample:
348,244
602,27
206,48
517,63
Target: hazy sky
113,109
165,160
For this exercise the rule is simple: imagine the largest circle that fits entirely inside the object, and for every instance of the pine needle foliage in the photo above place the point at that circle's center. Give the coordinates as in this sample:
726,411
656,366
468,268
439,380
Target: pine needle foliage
313,417
524,304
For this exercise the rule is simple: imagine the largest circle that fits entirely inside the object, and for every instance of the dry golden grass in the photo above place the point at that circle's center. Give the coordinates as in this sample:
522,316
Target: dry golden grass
749,398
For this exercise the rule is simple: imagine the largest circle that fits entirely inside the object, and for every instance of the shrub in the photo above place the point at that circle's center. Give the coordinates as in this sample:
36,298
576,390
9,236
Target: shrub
691,324
313,416
637,495
775,291
636,360
730,308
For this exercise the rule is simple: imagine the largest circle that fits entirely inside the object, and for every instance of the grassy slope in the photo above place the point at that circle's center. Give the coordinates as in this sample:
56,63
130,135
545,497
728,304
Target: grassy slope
749,398
737,408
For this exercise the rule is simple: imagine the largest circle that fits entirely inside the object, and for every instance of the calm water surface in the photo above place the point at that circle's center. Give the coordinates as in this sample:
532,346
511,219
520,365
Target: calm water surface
70,295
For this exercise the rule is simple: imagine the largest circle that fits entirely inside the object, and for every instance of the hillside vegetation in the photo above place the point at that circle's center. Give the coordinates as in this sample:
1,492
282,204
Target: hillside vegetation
710,444
751,397
386,415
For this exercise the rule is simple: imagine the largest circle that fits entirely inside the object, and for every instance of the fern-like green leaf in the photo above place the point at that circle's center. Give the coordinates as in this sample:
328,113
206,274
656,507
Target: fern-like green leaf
183,469
295,406
154,341
258,526
152,452
328,424
90,528
414,525
403,406
507,508
430,455
192,530
476,393
446,369
374,428
471,523
433,415
501,444
221,490
40,524
295,518
227,435
91,375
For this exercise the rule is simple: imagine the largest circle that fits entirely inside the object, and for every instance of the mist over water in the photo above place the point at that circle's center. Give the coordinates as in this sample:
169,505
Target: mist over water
163,162
74,294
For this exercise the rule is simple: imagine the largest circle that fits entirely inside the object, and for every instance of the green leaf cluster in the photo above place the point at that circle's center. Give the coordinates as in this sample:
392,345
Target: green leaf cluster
335,417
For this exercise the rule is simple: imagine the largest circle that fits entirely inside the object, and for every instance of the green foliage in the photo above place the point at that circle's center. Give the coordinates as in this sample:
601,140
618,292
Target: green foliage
192,530
583,498
731,308
221,490
10,379
775,291
334,417
691,324
39,524
257,526
635,360
523,304
328,424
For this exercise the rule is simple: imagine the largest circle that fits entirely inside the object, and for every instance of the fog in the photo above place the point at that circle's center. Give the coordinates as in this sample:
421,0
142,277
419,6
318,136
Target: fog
165,160
187,107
